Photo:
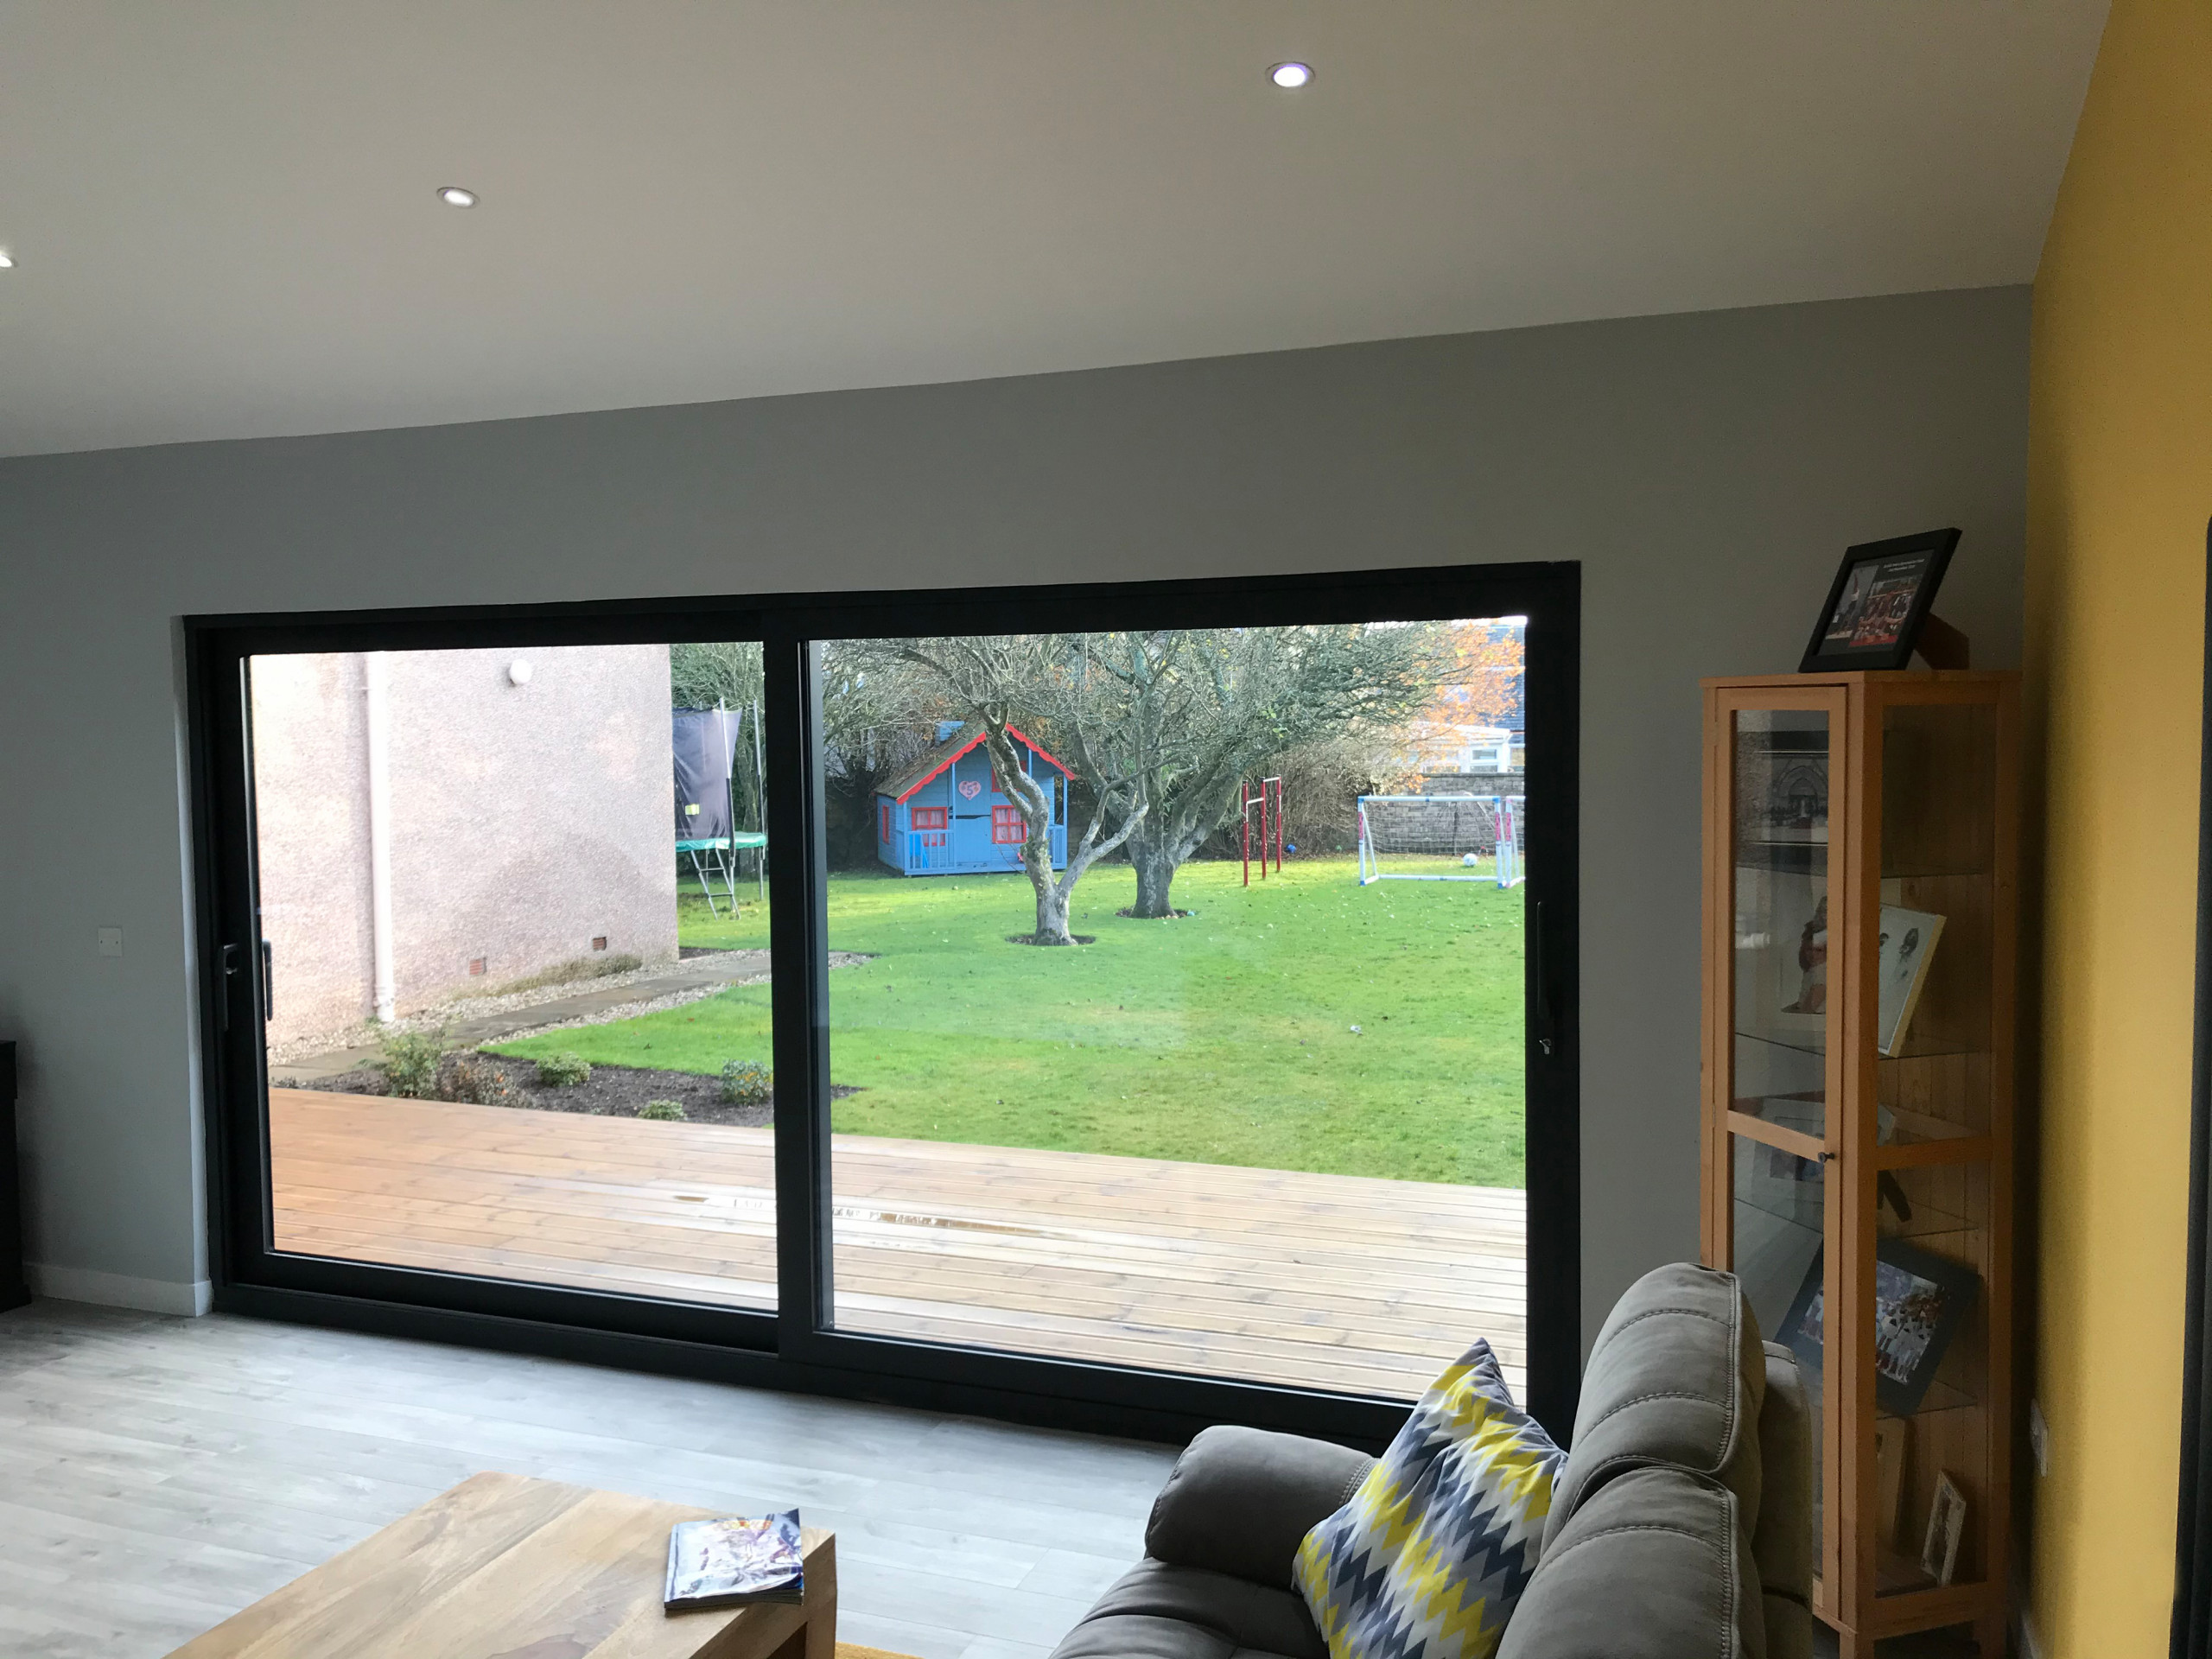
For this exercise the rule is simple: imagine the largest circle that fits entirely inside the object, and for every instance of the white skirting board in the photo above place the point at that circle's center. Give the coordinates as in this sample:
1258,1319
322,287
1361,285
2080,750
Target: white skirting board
189,1298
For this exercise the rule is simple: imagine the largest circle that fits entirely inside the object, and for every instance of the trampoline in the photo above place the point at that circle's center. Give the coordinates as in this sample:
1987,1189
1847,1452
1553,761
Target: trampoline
714,858
706,743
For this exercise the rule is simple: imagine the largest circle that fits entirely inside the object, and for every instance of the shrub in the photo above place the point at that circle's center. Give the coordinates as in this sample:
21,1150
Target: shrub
563,1071
477,1079
411,1062
747,1083
662,1111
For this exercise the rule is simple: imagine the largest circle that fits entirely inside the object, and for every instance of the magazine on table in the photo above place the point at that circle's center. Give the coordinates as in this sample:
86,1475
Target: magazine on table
732,1563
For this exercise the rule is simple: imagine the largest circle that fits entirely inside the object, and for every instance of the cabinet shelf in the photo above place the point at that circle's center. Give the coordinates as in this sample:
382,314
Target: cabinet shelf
1915,1048
1784,857
1942,1397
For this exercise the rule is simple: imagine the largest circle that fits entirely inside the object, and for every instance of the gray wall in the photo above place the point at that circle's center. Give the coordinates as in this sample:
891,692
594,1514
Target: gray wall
1707,469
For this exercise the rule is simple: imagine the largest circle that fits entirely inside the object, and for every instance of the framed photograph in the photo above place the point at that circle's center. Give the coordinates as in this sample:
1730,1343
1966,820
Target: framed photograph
1919,1299
1878,602
1906,947
1947,1523
1781,793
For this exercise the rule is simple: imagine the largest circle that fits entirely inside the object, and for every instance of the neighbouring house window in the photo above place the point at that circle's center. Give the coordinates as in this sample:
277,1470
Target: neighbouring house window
1007,827
929,818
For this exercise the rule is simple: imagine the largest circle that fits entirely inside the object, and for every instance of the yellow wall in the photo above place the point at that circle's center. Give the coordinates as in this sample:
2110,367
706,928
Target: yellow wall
2120,489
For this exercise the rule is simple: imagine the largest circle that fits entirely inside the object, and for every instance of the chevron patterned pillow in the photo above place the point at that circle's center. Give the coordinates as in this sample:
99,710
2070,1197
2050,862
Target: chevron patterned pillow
1427,1558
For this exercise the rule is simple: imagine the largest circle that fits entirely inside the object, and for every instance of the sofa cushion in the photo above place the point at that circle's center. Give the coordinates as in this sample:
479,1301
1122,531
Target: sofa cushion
1677,1378
1240,1500
1157,1611
1781,1541
1652,1564
1428,1557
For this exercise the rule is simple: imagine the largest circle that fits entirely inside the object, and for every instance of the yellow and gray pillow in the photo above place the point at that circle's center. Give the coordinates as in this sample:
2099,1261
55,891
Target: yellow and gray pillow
1429,1557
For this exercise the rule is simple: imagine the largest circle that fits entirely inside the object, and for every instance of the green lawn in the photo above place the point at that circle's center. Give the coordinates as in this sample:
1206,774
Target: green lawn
1226,1036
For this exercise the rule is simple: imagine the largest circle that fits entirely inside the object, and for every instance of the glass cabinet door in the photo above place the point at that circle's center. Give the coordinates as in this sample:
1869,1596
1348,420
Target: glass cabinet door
1780,811
1781,1035
1924,1352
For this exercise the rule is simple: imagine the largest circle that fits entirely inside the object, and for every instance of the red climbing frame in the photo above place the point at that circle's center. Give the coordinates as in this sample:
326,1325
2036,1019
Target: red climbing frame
1268,799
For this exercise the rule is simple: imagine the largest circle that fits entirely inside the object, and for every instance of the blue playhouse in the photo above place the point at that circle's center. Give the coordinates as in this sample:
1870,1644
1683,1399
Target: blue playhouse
946,815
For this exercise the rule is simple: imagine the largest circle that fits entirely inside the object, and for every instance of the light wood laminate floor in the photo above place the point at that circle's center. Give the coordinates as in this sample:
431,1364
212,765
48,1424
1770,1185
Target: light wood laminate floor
158,1474
1332,1281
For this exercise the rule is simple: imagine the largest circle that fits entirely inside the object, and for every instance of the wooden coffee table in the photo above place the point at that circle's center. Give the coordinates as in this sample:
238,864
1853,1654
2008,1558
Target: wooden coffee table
504,1567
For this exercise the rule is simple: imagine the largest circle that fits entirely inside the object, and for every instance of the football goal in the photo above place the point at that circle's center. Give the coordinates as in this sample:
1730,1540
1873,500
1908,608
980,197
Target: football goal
1440,838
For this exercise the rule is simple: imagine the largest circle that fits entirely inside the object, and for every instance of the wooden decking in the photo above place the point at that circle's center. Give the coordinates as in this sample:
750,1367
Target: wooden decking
1323,1280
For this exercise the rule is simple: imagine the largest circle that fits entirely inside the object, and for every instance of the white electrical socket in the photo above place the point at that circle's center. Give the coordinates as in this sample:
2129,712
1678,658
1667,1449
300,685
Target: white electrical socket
110,940
2038,1438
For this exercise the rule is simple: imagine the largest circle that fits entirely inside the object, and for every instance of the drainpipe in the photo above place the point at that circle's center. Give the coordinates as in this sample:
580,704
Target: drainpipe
380,733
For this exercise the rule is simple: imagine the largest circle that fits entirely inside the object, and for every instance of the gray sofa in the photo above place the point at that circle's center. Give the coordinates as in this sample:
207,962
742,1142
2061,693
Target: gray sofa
1681,1528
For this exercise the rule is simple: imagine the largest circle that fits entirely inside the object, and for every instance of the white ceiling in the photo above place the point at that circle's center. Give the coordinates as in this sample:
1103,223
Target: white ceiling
223,219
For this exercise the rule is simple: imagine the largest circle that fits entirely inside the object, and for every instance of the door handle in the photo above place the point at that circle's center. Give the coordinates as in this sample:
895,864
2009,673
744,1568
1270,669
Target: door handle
1539,982
268,981
230,966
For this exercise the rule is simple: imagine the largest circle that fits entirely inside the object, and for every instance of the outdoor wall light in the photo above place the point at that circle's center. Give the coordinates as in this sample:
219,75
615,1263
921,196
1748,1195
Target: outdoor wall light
7,260
454,196
1291,76
519,671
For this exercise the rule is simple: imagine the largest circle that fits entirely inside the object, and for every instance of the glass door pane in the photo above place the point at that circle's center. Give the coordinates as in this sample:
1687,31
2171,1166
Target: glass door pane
1778,1218
1779,805
1783,1035
1935,935
515,964
1929,1312
1176,996
1928,1342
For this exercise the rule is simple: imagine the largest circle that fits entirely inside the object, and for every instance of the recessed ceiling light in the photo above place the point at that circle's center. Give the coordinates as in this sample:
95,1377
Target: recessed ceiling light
1291,76
454,196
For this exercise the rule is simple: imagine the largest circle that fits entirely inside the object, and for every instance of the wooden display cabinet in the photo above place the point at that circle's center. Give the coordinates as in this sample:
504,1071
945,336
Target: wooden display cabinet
1861,892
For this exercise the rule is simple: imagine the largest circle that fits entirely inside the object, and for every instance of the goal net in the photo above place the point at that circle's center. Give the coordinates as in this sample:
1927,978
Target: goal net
1440,838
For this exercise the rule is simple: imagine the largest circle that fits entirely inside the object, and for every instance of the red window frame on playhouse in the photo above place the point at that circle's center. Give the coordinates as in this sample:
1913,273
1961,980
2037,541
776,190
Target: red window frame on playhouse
930,817
883,821
1008,829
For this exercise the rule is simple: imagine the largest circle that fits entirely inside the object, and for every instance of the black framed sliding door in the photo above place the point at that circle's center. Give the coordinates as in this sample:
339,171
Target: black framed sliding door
432,851
1132,1005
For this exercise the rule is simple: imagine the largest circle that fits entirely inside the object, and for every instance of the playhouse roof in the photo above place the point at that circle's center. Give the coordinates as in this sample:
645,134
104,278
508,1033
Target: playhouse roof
950,750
